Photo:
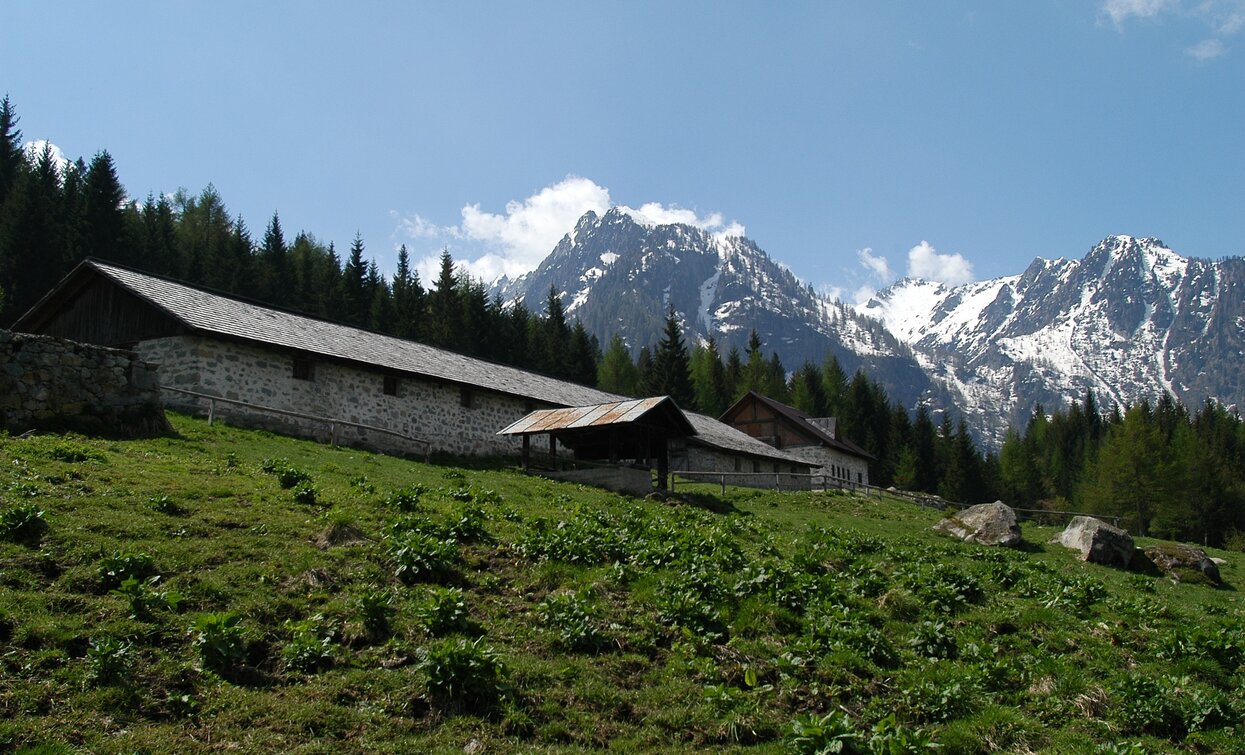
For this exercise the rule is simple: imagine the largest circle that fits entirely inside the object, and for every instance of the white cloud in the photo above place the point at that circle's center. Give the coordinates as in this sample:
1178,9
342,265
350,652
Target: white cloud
877,265
1121,10
489,245
1207,49
35,148
924,261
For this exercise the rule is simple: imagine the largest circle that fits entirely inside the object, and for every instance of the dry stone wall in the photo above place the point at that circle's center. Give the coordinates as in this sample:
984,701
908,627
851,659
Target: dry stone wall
53,384
832,463
439,412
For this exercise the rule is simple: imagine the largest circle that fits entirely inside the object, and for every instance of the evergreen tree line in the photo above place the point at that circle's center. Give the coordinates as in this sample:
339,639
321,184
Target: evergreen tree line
53,216
1164,470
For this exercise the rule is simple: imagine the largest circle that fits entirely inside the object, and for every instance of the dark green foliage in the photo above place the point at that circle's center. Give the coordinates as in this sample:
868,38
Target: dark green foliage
376,610
572,617
219,641
310,646
286,475
109,659
306,494
462,673
22,523
122,565
421,557
444,611
144,599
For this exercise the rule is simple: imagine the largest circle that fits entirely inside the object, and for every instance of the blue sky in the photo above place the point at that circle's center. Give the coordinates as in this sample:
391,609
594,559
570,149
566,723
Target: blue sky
853,141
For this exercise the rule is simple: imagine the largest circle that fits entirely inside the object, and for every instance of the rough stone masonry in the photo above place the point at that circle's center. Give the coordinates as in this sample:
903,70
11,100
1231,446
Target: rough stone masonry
53,384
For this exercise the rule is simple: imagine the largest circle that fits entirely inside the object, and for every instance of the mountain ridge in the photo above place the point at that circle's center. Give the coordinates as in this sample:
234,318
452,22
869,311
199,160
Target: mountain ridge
1131,319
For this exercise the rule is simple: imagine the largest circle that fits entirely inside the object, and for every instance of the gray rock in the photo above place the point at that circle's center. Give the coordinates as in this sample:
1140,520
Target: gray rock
1178,561
1098,542
985,523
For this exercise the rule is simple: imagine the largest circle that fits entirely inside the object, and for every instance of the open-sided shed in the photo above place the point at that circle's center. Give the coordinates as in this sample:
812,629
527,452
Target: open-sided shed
638,429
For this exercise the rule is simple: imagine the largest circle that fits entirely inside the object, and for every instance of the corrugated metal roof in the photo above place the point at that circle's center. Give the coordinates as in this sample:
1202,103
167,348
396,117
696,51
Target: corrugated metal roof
207,312
575,417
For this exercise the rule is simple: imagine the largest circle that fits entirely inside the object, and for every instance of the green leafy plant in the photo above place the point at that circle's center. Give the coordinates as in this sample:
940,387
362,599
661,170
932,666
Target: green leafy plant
933,639
376,611
73,453
406,499
462,672
444,611
144,599
310,647
219,640
286,475
109,659
572,618
122,565
421,557
811,734
166,505
22,523
305,493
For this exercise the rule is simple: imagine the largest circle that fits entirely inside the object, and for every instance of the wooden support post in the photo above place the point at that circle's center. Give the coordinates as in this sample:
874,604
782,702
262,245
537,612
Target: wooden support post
211,411
527,452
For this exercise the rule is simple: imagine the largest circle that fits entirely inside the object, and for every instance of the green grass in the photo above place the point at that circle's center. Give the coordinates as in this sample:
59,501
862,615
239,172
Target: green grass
178,598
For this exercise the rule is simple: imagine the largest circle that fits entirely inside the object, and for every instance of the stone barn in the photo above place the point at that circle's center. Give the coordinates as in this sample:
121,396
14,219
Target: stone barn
257,365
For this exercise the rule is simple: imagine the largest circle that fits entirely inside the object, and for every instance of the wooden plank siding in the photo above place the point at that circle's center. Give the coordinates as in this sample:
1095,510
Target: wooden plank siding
105,314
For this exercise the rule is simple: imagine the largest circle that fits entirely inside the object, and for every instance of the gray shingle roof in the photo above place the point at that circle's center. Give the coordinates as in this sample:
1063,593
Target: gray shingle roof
206,312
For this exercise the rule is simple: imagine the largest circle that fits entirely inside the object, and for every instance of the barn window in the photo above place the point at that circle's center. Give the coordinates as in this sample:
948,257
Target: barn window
465,396
303,369
738,464
391,385
860,478
756,467
775,467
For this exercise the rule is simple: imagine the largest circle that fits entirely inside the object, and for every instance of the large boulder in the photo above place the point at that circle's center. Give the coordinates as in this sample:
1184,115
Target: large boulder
1098,542
1180,562
985,523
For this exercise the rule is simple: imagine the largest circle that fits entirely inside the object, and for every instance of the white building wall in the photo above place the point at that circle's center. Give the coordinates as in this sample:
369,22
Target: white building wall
425,409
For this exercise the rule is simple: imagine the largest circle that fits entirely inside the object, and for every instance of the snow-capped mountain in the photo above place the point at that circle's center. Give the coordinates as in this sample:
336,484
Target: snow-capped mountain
1132,319
618,275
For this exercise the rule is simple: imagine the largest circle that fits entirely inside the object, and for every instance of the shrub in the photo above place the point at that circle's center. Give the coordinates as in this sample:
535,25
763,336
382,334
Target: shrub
219,640
889,737
22,523
840,628
934,700
469,527
108,659
73,453
461,672
123,565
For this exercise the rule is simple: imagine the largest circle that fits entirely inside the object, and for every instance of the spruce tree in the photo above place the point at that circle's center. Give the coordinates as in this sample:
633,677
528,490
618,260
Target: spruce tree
12,162
671,365
105,233
408,297
583,356
440,324
354,285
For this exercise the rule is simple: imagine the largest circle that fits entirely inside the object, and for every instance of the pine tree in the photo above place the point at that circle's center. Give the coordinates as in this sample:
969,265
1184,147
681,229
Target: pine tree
671,365
274,275
925,450
646,384
756,370
12,163
734,376
1134,475
32,253
806,391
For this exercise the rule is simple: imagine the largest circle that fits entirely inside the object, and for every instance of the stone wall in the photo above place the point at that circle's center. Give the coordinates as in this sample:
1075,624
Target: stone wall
52,384
452,419
740,470
833,464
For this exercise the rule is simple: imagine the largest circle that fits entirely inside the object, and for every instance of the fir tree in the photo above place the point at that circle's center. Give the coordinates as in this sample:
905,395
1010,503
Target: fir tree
354,286
440,324
617,373
105,233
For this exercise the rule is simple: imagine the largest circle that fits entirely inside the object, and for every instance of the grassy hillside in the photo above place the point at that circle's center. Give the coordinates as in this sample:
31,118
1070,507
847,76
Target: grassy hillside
236,590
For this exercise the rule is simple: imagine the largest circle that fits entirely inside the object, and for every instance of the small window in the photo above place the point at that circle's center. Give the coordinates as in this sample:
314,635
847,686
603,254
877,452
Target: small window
738,464
860,478
756,467
391,385
465,397
303,369
775,467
